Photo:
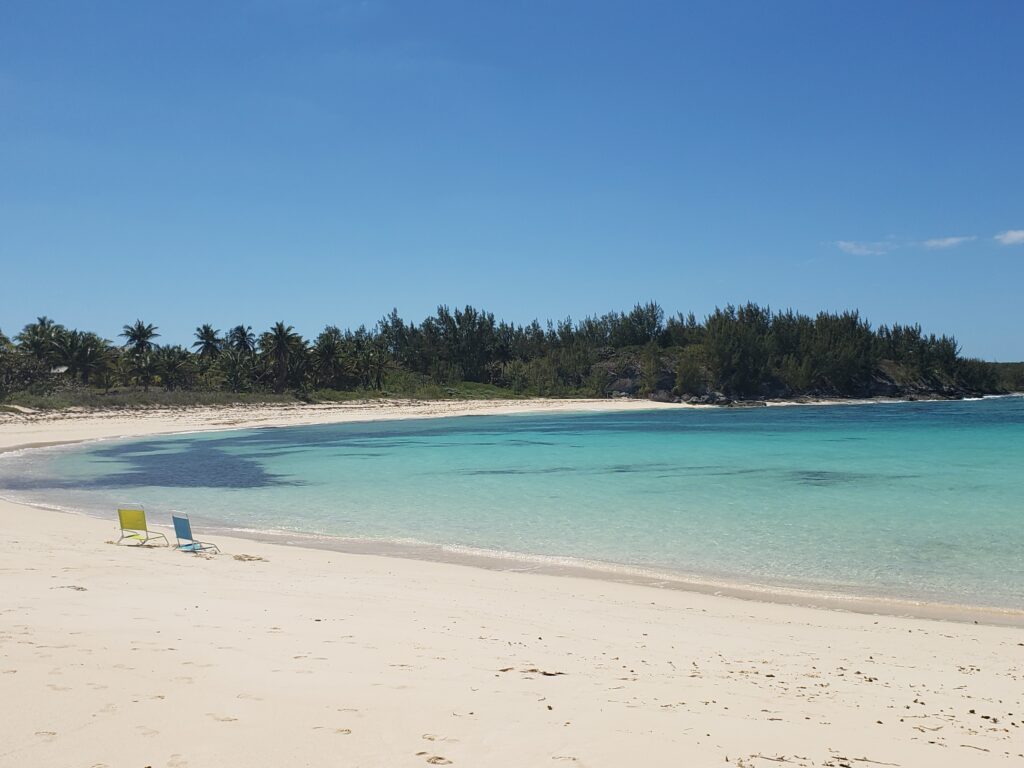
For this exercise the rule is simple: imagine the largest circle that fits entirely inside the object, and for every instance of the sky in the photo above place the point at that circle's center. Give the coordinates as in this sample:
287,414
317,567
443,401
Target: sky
323,162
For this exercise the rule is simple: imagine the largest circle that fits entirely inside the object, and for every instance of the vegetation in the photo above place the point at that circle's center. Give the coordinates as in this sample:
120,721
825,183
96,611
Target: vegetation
745,352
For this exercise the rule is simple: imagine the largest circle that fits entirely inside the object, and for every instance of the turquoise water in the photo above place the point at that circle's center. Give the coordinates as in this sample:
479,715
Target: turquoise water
913,500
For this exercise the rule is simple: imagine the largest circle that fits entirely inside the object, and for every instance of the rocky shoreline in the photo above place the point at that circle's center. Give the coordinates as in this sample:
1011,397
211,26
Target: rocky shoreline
631,382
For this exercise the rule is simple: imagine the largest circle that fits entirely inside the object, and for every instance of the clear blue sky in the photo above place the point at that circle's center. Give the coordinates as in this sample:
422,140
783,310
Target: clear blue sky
323,162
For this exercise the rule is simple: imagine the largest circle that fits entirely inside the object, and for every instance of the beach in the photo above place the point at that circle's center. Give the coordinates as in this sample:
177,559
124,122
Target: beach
273,655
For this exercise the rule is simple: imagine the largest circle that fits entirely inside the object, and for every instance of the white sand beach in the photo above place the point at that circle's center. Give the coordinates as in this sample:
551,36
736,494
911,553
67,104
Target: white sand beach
275,655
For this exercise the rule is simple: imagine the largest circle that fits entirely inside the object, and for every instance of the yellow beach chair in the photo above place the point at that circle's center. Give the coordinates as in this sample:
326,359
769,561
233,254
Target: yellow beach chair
133,526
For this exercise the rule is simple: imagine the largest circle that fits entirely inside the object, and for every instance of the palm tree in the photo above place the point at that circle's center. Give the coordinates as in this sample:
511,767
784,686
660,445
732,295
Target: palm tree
139,337
236,368
145,367
38,338
95,357
175,366
84,354
242,339
329,360
122,369
280,344
67,346
208,341
368,357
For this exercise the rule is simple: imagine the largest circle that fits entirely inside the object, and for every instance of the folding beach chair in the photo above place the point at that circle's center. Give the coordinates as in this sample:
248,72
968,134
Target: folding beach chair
183,533
133,526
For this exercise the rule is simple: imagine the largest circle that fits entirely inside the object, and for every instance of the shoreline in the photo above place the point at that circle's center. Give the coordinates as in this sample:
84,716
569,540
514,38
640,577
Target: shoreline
44,429
648,577
639,575
274,654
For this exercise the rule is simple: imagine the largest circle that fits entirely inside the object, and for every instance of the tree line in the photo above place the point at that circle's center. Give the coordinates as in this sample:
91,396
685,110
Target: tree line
743,351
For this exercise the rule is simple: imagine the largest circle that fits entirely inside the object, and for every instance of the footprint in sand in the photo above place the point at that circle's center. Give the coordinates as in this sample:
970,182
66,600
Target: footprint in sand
438,760
222,718
341,731
177,761
144,730
46,735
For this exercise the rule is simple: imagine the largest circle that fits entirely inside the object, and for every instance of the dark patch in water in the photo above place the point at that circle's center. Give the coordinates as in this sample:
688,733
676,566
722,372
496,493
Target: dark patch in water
654,466
731,472
823,478
200,465
539,471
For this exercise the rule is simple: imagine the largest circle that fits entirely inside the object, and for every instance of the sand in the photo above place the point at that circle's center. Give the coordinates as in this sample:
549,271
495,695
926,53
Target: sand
274,655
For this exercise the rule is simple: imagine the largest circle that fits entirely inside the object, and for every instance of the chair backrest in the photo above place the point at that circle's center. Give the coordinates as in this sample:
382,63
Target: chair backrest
182,527
132,518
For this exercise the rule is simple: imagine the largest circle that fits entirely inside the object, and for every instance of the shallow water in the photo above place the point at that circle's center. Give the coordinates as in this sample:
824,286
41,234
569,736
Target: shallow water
923,501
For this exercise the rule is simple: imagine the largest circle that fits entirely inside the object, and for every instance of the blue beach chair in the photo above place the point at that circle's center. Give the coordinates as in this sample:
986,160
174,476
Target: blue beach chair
183,533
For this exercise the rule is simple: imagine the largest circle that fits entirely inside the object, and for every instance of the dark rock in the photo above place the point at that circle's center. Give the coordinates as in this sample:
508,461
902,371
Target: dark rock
664,380
663,396
628,385
709,398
